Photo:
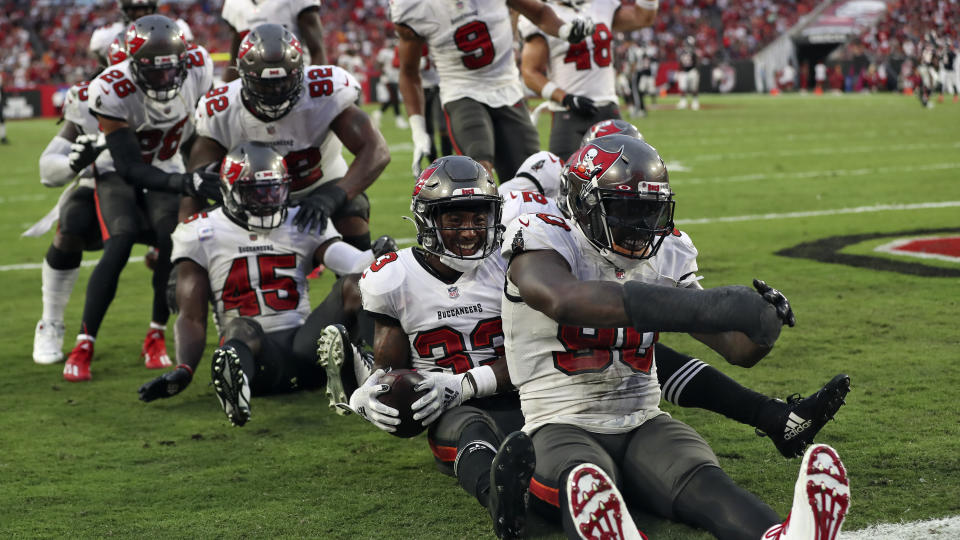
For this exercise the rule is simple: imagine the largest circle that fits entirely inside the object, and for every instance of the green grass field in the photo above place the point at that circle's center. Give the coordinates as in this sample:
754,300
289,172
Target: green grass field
753,174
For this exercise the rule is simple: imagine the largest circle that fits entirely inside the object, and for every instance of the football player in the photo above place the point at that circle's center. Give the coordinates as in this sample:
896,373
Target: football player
143,106
300,17
579,80
300,111
387,64
130,10
248,258
539,173
688,77
480,89
586,296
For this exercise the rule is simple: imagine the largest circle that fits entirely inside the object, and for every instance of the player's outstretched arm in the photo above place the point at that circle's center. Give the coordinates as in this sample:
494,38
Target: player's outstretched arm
55,165
311,32
634,17
547,20
193,290
547,285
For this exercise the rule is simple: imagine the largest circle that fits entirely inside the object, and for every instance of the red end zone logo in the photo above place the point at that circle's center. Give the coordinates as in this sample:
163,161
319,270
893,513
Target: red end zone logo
944,248
592,162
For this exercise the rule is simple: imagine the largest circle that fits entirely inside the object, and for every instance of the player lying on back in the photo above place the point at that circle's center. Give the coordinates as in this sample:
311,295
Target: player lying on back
249,259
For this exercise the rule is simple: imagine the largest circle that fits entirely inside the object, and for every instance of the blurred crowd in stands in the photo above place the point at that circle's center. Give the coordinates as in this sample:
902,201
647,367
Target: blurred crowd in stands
45,41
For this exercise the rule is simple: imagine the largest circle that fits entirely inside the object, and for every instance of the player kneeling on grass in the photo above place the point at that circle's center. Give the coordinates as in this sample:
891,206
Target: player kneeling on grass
585,299
251,261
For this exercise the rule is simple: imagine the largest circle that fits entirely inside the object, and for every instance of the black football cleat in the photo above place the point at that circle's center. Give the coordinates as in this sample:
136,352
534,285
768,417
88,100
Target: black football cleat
800,419
231,385
510,475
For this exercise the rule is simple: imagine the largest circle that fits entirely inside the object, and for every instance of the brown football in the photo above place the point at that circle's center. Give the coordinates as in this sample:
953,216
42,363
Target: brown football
401,396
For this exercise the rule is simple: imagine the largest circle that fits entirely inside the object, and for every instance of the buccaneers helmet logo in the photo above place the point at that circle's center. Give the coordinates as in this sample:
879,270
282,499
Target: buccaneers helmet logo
592,162
604,128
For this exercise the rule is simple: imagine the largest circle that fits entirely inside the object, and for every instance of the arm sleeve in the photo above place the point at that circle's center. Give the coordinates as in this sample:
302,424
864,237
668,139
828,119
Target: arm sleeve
55,168
343,258
125,150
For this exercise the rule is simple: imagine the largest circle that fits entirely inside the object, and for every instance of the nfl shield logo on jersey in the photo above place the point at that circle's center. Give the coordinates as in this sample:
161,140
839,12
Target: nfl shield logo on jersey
271,130
621,273
453,292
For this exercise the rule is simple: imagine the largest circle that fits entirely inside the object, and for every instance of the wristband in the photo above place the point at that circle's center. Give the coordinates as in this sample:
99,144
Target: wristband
652,5
484,381
547,90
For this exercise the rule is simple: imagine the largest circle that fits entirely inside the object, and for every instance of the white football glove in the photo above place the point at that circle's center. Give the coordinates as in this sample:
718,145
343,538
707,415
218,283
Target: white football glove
576,30
421,142
364,402
446,391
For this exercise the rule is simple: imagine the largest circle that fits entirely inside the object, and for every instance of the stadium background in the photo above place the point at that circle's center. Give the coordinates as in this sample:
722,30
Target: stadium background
828,178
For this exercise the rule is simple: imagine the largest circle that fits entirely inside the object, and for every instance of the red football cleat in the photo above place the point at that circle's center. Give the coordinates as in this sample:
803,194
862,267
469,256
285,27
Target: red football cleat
155,350
77,368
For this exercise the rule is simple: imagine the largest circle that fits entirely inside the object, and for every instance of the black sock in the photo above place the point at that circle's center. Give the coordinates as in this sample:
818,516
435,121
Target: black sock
476,449
247,363
711,500
102,286
688,382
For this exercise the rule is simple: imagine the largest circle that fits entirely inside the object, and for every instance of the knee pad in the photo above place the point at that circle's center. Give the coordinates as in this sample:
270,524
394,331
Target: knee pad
243,328
444,435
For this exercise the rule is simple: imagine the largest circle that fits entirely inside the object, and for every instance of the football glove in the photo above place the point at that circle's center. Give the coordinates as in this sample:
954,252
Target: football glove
364,402
318,206
446,391
581,105
421,142
779,301
167,385
84,151
383,245
203,185
576,30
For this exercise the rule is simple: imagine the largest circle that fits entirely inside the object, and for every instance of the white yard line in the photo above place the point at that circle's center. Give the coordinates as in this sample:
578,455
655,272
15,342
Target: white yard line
701,221
937,529
826,174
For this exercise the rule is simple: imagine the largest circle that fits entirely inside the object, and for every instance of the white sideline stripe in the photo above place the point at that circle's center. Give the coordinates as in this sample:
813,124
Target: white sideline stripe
815,151
815,213
914,530
701,221
825,174
37,266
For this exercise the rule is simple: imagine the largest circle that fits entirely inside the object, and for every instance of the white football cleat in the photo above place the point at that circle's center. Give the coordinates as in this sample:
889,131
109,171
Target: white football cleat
48,342
231,385
597,508
337,355
402,123
682,104
821,498
695,105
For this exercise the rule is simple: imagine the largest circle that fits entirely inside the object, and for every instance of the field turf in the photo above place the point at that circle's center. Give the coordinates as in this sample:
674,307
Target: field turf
754,176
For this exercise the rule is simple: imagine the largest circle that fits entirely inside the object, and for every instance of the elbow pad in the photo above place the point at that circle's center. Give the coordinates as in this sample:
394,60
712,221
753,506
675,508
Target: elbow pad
657,308
55,168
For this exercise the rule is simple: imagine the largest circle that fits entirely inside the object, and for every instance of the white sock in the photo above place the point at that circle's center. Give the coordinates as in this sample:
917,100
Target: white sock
57,285
157,326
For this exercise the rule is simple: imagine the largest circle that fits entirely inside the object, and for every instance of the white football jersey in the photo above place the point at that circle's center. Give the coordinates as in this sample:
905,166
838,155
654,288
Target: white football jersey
452,326
601,379
584,68
76,109
102,37
303,135
471,42
385,58
245,15
161,126
253,273
517,203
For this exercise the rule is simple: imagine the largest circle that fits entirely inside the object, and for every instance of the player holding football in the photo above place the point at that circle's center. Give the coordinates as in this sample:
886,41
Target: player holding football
300,111
248,258
143,106
480,92
585,299
579,80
